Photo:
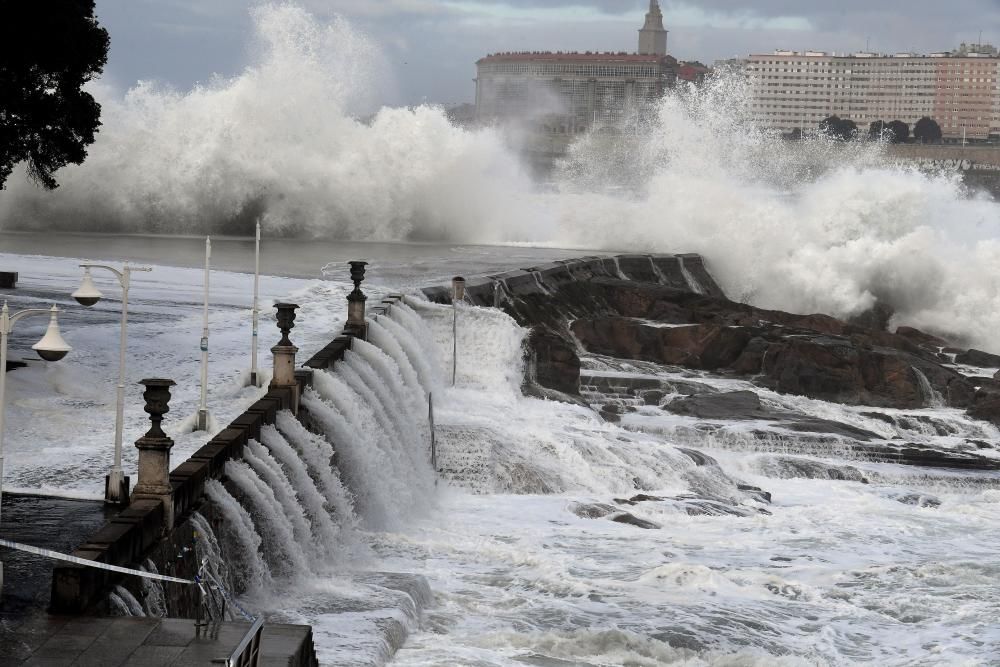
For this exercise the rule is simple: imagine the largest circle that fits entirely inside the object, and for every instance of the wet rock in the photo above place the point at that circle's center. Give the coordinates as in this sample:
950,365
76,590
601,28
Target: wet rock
756,493
652,397
918,499
816,425
877,317
790,467
592,510
699,458
553,362
710,507
632,520
922,338
986,405
610,414
978,358
680,639
733,405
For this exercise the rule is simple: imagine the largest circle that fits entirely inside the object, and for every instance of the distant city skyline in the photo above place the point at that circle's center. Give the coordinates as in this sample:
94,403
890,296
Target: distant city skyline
432,45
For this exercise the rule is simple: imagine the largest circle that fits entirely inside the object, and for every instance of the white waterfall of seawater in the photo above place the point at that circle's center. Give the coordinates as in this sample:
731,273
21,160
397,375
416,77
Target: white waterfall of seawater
385,341
689,277
931,395
387,374
429,377
378,468
154,601
326,532
348,370
248,569
133,606
270,472
283,553
416,328
209,553
318,455
117,605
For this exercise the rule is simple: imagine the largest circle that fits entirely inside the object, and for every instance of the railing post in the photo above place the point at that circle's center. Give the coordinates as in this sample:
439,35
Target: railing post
284,354
356,301
154,450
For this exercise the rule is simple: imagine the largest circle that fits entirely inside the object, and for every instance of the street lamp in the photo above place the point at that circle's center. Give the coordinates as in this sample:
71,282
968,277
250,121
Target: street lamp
116,486
51,347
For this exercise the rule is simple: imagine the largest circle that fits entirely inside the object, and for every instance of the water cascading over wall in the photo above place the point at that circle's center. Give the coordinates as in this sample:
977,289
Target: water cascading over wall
282,492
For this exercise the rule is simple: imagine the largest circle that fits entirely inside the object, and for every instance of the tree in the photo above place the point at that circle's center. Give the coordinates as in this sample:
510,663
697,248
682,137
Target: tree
836,127
48,50
876,130
927,131
899,131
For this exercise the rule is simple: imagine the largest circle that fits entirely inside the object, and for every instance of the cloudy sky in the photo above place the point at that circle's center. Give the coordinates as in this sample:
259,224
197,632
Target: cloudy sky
432,45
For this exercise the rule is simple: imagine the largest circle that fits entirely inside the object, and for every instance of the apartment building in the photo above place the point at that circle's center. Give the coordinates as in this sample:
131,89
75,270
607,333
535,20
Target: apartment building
796,90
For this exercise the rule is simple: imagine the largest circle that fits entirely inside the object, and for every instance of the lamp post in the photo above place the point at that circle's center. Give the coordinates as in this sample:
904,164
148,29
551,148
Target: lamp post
254,373
116,486
202,424
51,347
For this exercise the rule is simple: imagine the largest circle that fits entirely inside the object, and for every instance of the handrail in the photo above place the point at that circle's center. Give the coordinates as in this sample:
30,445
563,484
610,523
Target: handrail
247,653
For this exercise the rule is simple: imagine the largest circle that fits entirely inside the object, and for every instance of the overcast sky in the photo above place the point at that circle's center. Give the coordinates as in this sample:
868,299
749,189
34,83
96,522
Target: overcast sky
432,45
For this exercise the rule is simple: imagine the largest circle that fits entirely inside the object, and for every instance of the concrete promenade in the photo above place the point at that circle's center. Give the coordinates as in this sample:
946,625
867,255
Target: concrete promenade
148,642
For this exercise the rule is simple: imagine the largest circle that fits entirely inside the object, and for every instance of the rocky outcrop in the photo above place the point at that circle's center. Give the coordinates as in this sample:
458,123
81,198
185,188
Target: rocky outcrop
667,309
978,358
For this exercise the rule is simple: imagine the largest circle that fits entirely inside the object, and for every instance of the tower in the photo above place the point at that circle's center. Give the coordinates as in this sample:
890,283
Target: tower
653,36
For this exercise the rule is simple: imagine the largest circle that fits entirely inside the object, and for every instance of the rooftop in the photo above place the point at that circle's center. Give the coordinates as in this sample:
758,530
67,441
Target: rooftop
589,56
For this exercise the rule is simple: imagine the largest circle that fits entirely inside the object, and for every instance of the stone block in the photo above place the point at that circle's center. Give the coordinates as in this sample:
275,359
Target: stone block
250,422
215,454
121,541
234,437
638,268
75,587
187,482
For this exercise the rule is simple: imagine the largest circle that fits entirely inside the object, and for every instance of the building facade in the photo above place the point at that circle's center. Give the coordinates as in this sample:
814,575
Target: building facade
796,90
567,93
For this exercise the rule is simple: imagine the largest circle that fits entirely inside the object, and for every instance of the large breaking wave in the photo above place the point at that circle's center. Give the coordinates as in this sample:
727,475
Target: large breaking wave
807,227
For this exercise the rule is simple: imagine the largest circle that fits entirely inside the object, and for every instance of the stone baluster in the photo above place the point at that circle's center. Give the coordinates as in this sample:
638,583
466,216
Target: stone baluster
284,354
356,301
154,450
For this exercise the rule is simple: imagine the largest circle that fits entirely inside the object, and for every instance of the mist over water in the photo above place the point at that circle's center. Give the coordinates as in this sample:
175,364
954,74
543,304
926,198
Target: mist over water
808,226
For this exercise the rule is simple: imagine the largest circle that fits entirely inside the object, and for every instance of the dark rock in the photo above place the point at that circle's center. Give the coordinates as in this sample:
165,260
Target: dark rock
699,458
741,405
652,397
756,492
632,520
986,405
610,414
877,317
643,498
978,358
592,510
817,425
917,499
553,361
791,467
921,338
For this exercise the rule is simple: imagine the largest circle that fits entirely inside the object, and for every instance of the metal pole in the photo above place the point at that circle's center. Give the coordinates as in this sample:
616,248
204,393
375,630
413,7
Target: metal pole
254,380
117,478
457,294
454,341
4,330
203,404
430,418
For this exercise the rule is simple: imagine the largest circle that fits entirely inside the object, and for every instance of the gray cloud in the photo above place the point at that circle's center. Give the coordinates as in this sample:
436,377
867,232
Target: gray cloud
432,45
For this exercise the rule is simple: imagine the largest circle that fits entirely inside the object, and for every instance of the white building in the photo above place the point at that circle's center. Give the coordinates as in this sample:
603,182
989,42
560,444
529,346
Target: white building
796,90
